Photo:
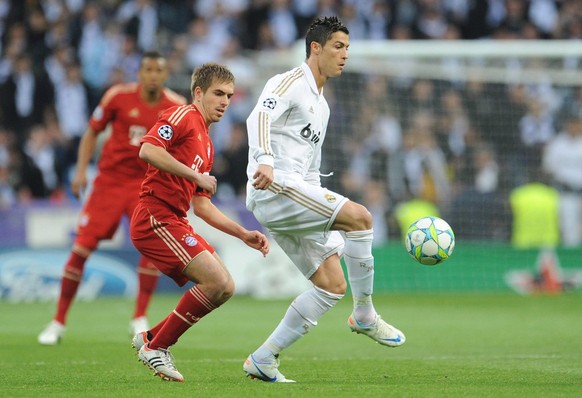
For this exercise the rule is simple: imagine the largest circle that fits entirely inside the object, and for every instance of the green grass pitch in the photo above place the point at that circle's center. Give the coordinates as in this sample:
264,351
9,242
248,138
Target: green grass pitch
458,345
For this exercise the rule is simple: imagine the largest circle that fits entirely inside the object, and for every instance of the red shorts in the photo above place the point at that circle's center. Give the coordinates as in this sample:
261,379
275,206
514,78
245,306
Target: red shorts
109,201
169,240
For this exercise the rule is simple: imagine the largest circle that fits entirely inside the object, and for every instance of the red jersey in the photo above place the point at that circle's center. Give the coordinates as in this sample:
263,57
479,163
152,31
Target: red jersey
183,132
130,118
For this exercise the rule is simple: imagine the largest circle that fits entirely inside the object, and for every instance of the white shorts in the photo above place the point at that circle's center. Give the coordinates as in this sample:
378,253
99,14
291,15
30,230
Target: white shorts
299,216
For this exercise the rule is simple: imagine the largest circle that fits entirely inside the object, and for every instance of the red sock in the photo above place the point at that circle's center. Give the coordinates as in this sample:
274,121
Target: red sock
192,306
70,281
148,276
156,329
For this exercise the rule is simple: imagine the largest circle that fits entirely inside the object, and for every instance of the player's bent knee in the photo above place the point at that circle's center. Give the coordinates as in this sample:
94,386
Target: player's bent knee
219,289
354,217
363,218
228,291
221,284
225,297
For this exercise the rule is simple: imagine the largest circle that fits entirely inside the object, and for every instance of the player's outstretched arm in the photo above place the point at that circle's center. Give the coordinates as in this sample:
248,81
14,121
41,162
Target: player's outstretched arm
84,155
206,210
257,241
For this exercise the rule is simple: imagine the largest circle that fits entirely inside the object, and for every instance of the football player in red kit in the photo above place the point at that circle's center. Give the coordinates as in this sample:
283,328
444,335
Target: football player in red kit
180,155
131,109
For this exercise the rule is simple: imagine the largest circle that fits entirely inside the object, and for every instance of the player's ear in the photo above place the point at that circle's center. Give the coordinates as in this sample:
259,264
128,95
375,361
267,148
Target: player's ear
315,48
197,93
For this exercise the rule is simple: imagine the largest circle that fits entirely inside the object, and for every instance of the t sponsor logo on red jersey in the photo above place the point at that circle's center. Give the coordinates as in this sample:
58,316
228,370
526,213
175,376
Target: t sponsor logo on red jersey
197,164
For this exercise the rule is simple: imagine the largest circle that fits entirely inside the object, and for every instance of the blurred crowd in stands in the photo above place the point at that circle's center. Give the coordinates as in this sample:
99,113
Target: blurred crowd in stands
59,56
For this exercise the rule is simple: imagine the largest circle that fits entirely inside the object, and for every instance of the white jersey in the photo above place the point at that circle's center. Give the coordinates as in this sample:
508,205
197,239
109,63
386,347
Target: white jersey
287,127
286,130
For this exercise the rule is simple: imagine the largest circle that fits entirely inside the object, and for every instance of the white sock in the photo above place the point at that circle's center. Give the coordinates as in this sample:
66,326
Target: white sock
301,316
360,265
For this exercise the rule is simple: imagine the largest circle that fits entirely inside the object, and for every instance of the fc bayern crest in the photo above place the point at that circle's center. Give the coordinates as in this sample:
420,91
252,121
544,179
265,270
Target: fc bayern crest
165,132
270,103
191,241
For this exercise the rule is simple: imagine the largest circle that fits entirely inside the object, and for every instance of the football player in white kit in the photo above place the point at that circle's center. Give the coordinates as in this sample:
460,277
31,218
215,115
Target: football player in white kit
312,224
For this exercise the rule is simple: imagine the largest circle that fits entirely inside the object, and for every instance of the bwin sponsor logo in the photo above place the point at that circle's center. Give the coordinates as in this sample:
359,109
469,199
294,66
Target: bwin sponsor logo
309,134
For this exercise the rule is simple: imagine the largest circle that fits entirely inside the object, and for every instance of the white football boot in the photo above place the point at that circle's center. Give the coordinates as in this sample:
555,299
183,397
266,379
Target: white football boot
161,362
139,340
52,333
266,371
379,331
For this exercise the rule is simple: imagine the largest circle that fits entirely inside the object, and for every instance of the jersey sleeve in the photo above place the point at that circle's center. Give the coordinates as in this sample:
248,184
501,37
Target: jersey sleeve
105,111
270,107
200,192
164,131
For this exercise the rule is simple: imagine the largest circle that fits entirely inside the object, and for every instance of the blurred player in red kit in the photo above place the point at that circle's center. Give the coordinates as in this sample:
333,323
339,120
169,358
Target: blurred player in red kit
180,156
131,109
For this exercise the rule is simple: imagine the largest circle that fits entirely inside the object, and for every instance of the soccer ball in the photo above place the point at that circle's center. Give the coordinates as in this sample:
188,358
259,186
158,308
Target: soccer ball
430,240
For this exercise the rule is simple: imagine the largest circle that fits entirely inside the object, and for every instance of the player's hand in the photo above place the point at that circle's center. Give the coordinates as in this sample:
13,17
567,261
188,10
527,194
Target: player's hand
207,183
263,177
78,184
257,241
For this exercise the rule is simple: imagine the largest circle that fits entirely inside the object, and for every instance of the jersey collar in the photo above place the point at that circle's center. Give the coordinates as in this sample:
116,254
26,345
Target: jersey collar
310,78
141,96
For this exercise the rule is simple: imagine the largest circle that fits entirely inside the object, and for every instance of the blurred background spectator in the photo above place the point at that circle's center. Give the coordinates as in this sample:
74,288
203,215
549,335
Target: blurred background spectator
26,96
448,142
562,160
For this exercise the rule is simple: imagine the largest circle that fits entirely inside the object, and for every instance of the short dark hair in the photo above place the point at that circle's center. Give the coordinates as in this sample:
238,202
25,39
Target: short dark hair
206,74
321,30
152,54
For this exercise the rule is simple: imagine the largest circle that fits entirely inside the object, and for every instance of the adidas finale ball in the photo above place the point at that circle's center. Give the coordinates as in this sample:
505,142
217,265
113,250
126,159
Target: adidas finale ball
430,240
